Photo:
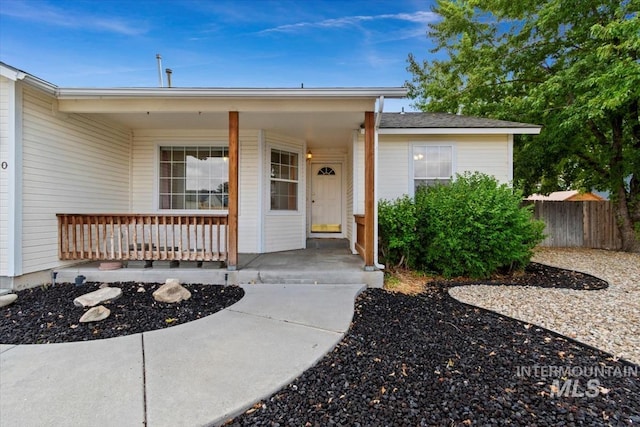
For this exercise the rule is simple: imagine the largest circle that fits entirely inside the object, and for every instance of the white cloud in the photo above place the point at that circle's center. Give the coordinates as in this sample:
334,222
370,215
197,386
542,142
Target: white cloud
49,15
419,17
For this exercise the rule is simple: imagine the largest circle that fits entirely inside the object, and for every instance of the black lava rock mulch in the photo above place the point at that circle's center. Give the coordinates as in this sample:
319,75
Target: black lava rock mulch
429,360
544,276
47,315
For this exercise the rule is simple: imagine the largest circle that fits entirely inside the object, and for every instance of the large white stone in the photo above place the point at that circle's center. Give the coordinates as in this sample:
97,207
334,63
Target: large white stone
95,314
7,299
97,297
171,292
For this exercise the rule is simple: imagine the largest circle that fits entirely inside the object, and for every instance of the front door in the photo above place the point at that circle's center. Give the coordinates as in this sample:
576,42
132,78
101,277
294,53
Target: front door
326,198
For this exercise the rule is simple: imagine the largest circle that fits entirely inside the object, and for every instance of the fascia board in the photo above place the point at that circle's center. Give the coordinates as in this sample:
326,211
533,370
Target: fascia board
84,93
460,131
11,73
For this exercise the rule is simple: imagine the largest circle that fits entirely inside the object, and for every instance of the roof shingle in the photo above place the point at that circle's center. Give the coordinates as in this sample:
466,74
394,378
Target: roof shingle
443,120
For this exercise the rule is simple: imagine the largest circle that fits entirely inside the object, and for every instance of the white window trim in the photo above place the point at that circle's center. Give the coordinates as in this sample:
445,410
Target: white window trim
156,175
412,145
267,176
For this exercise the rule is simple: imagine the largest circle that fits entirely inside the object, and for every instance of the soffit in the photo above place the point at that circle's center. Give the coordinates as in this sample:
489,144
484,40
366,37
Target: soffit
326,129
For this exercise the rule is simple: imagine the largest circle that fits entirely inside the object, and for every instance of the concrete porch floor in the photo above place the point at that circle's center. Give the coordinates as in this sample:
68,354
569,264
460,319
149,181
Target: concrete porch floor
314,265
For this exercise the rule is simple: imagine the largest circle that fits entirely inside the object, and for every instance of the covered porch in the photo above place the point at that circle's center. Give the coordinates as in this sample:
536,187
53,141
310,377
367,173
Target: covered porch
257,125
184,174
328,262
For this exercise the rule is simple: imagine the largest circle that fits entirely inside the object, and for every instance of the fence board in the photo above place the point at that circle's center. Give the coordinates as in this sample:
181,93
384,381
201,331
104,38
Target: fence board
586,224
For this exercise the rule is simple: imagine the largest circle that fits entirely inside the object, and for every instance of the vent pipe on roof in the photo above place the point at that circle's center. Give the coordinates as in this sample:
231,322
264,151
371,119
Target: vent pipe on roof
169,71
159,58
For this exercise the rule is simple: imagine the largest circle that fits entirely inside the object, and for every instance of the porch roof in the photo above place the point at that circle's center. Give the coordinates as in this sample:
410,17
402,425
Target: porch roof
223,93
430,123
323,117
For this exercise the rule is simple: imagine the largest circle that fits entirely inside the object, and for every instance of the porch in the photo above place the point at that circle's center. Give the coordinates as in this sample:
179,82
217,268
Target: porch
317,264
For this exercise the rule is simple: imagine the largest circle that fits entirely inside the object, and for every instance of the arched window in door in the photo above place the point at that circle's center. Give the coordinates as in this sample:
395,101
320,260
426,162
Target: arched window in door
326,171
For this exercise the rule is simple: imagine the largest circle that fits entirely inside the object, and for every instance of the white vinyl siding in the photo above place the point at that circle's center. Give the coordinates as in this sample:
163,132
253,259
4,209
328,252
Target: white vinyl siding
483,153
6,89
249,219
488,154
392,172
393,169
72,164
284,230
145,170
359,175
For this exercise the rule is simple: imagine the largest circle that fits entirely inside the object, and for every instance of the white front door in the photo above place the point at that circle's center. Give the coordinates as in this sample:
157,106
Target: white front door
326,198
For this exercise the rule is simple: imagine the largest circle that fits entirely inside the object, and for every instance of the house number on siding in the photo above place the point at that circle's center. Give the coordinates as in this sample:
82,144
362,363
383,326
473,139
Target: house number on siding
4,165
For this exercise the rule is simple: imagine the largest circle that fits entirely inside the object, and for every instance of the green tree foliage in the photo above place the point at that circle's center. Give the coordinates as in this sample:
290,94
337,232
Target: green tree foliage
473,227
571,66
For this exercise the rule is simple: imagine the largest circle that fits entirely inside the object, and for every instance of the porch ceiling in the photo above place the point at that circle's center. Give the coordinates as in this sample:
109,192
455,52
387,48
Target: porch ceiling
323,117
319,129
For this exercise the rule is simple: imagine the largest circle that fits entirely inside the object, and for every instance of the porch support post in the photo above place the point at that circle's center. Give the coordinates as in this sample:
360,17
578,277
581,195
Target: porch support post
232,249
369,185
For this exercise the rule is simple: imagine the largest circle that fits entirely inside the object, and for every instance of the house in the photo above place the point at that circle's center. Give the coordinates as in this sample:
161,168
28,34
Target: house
566,196
204,174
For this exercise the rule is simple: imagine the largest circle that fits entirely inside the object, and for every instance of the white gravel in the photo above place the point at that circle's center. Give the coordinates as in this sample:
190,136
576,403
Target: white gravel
607,319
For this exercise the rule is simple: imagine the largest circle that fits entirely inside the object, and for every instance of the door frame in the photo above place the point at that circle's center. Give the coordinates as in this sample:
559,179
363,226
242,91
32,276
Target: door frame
321,160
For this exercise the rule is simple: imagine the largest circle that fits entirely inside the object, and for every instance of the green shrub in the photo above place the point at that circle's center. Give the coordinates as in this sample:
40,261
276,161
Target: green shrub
397,231
472,227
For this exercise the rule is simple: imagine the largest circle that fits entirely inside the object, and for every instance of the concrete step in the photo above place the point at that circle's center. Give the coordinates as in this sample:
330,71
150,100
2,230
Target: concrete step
316,243
373,279
222,276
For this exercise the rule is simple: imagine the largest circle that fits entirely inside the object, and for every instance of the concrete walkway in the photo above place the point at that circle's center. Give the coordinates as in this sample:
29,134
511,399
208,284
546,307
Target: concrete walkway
200,373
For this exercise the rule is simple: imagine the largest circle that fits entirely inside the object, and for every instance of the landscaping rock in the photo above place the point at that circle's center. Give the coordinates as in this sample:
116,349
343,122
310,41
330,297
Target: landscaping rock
171,292
428,360
95,314
98,297
44,314
7,299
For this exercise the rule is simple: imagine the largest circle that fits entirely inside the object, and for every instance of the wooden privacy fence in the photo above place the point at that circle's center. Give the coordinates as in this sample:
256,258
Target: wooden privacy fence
586,224
142,237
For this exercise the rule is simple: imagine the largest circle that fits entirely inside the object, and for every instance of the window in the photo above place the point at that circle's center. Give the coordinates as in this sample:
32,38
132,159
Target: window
284,180
194,178
432,164
326,171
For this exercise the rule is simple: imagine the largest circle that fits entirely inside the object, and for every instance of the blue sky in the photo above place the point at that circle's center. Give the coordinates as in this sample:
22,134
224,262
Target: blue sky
113,43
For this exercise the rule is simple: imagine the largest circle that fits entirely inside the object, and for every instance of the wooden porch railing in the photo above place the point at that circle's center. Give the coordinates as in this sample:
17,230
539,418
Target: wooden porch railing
360,234
142,237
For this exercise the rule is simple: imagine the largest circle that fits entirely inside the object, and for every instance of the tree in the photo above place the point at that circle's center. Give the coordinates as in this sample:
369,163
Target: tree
572,66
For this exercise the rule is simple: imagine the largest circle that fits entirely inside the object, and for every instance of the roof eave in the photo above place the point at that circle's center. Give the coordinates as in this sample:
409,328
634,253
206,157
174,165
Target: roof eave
123,93
462,131
15,74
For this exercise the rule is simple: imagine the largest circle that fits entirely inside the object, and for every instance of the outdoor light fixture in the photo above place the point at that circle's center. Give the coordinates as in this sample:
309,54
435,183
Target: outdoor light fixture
309,155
